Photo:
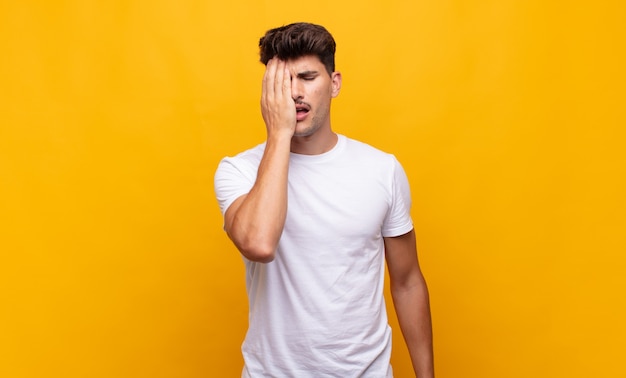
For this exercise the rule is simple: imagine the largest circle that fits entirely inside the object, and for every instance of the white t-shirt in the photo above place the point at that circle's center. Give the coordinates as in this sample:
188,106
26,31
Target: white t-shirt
318,309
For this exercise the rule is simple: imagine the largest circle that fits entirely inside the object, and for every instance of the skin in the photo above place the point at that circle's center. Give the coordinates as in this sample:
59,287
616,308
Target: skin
411,301
255,221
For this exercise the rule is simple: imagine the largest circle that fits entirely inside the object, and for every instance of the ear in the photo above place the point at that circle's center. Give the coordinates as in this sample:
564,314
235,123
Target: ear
335,83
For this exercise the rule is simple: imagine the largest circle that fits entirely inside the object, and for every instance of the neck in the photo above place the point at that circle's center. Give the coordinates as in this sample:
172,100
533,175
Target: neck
315,144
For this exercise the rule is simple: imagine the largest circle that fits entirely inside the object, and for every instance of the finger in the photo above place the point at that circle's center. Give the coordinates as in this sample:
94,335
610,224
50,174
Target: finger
286,82
264,84
269,78
279,78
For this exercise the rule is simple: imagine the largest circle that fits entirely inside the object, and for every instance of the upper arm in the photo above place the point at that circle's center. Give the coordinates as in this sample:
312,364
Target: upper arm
231,211
402,262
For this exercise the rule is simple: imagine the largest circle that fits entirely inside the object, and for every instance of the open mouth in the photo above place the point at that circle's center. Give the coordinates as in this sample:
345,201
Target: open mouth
302,111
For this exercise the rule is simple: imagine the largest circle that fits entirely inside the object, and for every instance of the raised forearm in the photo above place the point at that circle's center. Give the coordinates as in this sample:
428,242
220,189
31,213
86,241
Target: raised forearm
257,223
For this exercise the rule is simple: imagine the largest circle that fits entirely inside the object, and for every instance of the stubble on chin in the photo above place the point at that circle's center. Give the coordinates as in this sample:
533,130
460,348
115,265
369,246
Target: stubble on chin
308,130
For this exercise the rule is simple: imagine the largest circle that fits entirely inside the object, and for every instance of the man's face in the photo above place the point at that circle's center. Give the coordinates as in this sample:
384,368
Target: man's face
312,89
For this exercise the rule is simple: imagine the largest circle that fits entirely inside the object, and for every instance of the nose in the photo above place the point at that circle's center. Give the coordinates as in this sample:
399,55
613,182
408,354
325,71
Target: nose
297,90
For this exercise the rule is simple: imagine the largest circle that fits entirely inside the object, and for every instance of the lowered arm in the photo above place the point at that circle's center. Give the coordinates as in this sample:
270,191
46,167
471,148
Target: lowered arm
411,301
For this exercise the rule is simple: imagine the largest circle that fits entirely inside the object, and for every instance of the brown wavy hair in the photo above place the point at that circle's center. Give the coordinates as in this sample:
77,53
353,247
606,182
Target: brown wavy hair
297,40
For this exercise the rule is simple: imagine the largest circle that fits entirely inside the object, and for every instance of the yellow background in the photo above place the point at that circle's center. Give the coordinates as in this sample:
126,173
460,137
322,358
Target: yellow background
508,117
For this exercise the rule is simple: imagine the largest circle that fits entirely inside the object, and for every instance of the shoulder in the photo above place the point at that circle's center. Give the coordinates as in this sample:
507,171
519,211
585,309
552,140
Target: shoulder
369,154
252,154
249,158
385,166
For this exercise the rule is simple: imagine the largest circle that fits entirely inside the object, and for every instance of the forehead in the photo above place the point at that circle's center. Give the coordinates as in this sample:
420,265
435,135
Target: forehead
305,63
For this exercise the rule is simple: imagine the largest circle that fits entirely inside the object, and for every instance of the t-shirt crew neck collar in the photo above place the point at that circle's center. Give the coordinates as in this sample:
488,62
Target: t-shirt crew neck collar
341,141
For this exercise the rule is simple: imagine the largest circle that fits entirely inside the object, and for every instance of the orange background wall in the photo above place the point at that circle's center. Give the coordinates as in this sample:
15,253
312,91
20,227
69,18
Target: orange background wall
508,117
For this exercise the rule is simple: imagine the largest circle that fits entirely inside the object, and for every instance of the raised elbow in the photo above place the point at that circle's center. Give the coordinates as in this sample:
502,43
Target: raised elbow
258,252
253,242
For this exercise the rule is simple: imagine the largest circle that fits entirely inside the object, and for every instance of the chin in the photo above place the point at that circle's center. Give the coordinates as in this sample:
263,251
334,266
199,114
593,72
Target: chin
304,133
305,130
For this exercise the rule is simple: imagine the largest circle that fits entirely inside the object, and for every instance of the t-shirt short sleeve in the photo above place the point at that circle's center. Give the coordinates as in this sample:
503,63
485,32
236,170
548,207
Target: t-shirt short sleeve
233,178
398,221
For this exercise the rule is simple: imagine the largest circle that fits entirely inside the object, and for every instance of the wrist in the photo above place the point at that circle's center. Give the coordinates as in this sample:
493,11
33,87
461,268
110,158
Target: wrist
280,136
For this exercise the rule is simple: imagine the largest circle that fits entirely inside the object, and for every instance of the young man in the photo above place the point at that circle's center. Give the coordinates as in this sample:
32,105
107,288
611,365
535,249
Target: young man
315,214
